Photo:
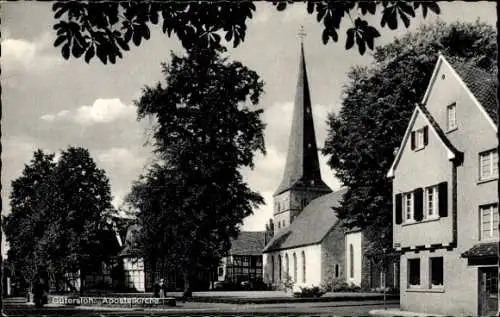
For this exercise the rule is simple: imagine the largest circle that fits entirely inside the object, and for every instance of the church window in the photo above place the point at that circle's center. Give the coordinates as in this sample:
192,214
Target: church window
279,267
294,267
303,267
279,224
351,261
272,268
287,267
337,271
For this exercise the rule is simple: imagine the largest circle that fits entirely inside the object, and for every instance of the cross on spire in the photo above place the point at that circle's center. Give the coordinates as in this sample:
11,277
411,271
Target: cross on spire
302,33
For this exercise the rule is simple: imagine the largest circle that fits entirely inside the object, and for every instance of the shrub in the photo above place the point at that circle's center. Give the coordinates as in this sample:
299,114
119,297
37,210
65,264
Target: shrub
314,291
339,285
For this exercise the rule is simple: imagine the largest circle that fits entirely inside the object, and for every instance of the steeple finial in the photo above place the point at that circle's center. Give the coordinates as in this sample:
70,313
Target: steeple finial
302,33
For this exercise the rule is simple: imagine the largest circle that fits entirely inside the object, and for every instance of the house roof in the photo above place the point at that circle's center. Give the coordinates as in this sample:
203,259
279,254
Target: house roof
482,250
248,243
311,225
482,85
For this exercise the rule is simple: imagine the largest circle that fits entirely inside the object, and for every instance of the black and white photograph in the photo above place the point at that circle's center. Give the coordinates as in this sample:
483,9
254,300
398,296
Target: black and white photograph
249,158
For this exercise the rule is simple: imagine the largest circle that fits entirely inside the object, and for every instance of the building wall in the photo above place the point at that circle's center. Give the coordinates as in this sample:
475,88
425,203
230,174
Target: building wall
459,295
355,239
313,269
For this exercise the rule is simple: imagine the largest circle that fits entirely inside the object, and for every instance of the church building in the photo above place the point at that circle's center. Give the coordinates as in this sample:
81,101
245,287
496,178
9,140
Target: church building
308,245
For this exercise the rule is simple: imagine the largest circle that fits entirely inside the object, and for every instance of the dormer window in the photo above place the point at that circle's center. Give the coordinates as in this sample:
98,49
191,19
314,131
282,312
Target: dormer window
419,138
452,117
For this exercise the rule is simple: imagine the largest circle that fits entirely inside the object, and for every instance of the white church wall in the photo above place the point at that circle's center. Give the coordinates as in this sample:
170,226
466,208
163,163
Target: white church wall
354,261
333,255
311,255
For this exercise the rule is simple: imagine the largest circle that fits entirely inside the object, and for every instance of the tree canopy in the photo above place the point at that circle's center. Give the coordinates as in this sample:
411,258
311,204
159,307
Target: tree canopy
107,28
57,214
194,199
380,100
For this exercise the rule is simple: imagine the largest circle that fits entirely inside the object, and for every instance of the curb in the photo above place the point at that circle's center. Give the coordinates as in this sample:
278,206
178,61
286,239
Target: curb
257,300
398,312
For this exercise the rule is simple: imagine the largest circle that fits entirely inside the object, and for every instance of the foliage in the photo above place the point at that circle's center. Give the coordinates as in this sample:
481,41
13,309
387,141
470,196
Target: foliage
194,199
381,99
57,212
339,285
287,282
106,28
308,292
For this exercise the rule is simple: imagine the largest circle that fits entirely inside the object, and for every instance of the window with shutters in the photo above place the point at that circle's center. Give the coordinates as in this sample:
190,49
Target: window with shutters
431,202
413,272
488,222
408,206
488,165
419,138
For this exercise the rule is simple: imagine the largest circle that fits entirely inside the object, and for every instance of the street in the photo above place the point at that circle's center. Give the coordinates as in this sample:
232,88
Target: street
346,308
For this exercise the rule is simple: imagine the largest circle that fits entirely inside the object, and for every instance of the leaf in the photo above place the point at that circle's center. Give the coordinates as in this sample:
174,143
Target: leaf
65,50
281,5
59,40
361,44
145,32
350,38
102,54
137,37
310,6
89,54
325,36
77,50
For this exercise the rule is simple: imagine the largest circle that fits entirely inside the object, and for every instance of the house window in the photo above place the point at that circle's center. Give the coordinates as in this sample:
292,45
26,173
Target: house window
351,261
419,138
431,201
279,224
303,267
452,117
283,223
408,206
488,164
413,272
489,222
436,272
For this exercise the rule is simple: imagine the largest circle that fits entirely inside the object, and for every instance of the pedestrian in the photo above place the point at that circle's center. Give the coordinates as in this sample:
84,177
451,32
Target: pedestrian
156,289
164,288
38,291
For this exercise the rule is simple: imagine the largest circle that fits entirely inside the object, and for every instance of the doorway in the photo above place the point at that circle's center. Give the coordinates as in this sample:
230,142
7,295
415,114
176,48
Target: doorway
488,291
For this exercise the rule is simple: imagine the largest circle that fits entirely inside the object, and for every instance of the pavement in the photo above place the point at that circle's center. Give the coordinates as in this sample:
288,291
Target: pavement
393,312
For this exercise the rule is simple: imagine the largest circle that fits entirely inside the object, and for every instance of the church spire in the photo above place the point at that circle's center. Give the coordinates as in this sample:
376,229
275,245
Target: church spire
302,164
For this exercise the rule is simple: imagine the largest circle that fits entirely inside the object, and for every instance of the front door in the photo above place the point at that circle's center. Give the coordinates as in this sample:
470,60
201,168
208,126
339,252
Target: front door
488,291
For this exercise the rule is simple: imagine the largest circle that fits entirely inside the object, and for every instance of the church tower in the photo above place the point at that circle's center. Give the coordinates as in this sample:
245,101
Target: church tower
301,181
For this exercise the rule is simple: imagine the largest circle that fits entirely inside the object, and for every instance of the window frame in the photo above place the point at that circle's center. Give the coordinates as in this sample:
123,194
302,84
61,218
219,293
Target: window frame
493,210
409,273
411,206
449,125
435,202
431,284
490,154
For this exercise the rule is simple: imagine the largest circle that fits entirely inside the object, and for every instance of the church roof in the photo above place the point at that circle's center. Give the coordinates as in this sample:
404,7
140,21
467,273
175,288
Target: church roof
311,225
302,164
248,243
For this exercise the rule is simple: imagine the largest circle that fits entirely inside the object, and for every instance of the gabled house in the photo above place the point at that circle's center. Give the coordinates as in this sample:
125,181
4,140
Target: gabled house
445,177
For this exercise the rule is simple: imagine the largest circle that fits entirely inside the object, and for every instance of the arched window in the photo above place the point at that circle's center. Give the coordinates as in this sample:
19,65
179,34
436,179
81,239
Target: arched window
272,268
351,261
303,267
294,267
279,267
287,271
337,273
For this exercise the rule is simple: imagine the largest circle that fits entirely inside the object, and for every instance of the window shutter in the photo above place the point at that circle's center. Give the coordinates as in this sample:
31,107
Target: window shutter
412,140
399,209
443,199
426,135
418,204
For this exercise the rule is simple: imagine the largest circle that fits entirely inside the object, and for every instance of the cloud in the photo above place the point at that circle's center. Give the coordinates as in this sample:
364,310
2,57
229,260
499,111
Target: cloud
101,111
36,55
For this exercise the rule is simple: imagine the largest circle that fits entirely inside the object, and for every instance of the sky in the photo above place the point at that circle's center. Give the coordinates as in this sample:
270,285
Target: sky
51,103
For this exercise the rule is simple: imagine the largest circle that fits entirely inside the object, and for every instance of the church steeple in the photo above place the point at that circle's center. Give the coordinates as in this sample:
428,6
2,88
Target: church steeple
302,170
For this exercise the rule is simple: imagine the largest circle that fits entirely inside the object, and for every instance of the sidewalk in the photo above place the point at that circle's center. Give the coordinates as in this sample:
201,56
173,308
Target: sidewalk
397,312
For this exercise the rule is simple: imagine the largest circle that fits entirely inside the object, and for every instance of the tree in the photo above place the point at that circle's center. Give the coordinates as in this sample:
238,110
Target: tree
27,222
195,199
380,99
105,28
57,214
77,222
